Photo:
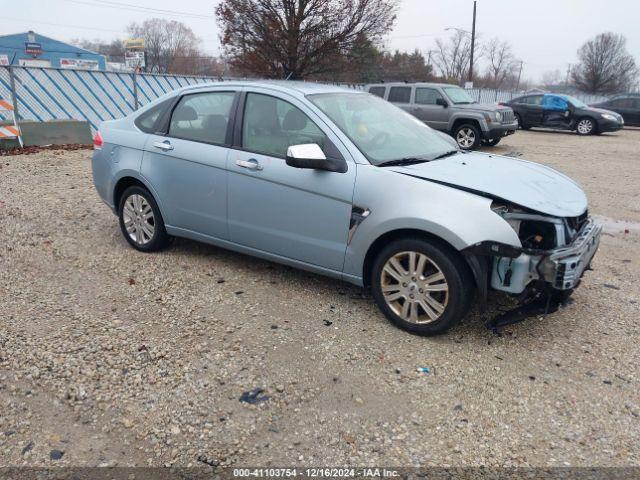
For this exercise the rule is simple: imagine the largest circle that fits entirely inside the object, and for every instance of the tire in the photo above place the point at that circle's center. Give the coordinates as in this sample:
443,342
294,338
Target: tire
521,125
491,143
467,136
586,126
141,222
561,296
445,269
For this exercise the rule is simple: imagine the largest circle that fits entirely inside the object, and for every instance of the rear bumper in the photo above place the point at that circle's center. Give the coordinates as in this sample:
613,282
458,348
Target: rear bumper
500,131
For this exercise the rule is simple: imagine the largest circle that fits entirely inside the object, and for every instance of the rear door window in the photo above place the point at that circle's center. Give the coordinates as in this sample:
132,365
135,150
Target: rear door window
148,121
377,91
202,117
400,95
534,100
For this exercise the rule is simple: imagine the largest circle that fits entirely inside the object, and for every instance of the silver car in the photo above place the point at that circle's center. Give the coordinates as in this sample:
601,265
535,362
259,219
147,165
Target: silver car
344,184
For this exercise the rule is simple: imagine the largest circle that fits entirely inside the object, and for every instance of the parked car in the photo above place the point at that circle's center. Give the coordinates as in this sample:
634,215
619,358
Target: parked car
450,109
627,106
563,112
347,185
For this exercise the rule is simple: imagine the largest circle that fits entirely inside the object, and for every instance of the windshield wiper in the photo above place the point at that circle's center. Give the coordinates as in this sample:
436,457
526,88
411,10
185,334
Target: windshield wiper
403,161
445,154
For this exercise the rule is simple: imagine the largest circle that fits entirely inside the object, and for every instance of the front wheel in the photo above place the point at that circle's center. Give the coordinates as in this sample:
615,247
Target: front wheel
491,142
521,125
586,126
140,220
467,136
421,286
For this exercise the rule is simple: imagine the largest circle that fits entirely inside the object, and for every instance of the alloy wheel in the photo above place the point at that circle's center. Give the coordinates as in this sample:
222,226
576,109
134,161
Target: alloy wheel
138,218
466,137
414,287
585,126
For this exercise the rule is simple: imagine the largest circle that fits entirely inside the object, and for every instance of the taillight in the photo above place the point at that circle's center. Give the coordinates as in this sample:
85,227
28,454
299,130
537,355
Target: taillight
97,141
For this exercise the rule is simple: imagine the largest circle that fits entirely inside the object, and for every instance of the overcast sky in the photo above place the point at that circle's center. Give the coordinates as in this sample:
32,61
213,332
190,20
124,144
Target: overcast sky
545,35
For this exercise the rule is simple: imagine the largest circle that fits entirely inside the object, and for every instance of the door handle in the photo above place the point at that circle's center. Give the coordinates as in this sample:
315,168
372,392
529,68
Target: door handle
166,146
251,164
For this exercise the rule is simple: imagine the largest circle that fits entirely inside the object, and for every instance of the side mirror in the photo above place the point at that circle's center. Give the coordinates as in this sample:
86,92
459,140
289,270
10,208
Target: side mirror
442,102
311,156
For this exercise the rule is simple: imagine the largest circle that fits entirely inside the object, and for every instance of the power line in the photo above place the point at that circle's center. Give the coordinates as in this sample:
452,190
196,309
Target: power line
139,9
62,25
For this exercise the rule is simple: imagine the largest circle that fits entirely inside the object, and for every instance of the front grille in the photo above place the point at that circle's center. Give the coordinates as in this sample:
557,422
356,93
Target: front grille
507,116
576,223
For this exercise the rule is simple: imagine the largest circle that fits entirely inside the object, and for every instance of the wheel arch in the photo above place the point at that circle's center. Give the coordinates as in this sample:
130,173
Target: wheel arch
462,120
129,179
379,243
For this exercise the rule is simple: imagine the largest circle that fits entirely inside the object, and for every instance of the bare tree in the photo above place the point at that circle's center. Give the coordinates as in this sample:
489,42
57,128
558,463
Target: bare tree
552,78
452,56
605,65
502,64
113,50
170,46
298,38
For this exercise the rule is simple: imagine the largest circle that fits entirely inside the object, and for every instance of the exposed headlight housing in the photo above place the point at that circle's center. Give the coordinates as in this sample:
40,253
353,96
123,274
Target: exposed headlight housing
499,116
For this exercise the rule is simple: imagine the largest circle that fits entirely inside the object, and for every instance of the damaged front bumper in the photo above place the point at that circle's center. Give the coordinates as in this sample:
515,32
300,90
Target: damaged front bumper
564,267
560,268
542,281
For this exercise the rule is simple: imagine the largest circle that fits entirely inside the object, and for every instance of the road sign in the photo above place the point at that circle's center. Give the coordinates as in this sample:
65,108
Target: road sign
32,48
79,63
134,44
134,59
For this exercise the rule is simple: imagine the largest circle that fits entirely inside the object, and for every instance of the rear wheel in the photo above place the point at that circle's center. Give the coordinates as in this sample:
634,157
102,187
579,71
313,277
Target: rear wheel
467,136
140,220
421,286
586,126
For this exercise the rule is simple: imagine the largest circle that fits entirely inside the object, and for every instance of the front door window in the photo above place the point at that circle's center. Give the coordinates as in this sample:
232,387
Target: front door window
272,125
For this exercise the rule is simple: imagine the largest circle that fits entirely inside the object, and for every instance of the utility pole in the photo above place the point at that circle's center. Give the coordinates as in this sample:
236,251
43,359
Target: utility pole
566,83
519,75
473,42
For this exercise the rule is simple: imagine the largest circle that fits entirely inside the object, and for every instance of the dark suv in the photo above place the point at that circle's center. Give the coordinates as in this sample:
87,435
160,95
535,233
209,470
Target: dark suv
627,105
563,112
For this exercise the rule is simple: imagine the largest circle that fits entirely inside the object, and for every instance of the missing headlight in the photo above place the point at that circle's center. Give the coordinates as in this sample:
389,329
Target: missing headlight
537,235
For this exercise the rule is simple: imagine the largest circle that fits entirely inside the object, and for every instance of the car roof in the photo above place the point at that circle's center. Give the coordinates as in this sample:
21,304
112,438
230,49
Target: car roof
298,88
404,84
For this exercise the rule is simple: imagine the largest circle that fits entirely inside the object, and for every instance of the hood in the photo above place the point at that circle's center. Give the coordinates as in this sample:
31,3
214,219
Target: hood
523,183
480,107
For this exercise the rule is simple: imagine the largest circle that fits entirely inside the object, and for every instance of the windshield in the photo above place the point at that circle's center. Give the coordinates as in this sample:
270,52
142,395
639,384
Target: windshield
380,130
458,96
575,102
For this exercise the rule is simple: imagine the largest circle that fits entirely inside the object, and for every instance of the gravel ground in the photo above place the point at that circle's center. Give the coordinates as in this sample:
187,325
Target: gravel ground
113,357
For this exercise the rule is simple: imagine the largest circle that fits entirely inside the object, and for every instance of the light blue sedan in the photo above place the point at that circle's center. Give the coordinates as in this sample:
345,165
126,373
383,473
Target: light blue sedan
347,185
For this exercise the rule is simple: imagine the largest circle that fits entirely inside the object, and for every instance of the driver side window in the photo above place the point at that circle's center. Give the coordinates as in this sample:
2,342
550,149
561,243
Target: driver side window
271,125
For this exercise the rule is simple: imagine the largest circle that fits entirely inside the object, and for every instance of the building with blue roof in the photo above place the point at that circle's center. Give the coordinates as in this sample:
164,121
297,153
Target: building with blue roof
29,49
